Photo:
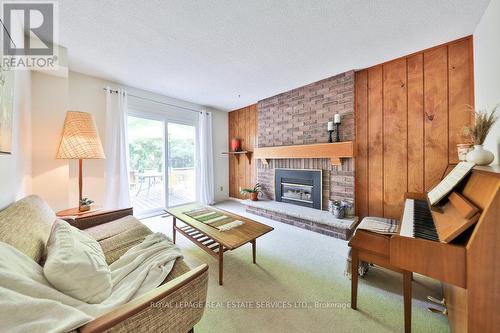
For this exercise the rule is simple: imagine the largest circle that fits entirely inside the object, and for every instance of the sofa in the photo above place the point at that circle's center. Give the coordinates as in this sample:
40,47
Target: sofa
175,306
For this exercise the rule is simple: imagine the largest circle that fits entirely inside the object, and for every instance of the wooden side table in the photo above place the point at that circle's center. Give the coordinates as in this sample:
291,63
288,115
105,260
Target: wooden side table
74,212
84,220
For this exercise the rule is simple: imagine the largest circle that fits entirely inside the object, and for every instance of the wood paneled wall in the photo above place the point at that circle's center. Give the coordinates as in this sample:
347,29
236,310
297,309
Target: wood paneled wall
243,126
409,118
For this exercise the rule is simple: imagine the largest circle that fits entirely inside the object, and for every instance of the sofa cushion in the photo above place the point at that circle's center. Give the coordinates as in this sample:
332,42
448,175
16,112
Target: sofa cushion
114,247
113,228
25,224
76,265
118,236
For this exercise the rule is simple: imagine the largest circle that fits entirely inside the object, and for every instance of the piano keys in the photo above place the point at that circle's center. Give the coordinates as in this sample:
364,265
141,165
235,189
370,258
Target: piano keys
456,244
417,221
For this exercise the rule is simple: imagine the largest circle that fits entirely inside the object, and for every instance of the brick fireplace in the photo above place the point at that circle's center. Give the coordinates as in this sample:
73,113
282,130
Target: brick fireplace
300,116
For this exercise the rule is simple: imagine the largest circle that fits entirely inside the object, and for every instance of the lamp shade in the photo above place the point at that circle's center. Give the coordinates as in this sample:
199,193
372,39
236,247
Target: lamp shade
80,139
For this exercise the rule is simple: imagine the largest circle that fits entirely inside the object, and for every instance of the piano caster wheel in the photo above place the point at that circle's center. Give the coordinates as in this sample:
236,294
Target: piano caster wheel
437,301
443,312
363,269
441,302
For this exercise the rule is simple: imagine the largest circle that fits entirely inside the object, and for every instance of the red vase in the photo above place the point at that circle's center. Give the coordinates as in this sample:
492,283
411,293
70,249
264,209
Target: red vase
235,144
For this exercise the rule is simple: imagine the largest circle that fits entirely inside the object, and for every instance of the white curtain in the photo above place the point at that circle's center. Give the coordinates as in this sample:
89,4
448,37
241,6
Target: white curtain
116,147
205,165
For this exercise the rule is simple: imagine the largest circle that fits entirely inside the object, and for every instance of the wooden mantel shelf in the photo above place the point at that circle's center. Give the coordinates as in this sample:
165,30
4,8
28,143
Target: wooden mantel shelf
333,151
237,154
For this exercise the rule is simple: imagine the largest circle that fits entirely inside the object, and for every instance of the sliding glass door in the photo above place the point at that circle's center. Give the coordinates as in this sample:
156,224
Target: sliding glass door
146,139
181,164
156,142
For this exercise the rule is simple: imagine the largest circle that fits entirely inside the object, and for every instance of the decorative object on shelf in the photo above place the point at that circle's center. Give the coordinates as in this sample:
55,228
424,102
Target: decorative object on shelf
336,208
235,145
331,203
480,156
478,132
80,140
253,193
348,207
462,150
85,204
330,131
336,120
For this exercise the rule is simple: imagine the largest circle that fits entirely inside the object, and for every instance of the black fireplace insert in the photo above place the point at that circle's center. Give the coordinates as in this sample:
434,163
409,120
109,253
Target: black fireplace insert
298,187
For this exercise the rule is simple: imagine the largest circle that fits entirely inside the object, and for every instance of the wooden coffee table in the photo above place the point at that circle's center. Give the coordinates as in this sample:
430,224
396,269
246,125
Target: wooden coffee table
213,241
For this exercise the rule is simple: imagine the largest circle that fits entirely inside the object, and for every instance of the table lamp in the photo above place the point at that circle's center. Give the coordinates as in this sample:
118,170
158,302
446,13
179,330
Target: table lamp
80,140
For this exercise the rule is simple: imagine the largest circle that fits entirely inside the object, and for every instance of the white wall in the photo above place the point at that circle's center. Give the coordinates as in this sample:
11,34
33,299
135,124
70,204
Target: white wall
487,69
221,163
49,105
81,92
15,169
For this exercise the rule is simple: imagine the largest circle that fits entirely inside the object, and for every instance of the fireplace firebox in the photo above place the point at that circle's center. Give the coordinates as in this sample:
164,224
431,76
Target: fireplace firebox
299,187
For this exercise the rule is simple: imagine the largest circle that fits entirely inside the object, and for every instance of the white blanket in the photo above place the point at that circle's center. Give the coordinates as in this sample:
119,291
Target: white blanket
28,303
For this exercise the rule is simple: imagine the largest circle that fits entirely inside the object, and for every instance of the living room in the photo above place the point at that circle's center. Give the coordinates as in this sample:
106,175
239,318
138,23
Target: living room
250,166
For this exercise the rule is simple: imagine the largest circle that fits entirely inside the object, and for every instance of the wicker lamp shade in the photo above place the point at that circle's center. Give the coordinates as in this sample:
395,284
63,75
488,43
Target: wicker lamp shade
80,139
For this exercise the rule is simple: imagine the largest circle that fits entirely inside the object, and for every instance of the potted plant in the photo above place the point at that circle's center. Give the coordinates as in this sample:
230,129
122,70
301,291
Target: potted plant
253,193
478,132
85,204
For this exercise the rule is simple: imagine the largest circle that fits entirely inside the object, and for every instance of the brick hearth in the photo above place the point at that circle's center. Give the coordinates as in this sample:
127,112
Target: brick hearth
329,230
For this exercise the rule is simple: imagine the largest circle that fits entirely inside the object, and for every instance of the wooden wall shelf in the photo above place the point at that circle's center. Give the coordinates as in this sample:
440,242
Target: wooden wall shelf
333,151
237,154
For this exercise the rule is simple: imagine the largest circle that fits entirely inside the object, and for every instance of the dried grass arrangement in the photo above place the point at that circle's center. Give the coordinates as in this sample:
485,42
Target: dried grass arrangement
484,120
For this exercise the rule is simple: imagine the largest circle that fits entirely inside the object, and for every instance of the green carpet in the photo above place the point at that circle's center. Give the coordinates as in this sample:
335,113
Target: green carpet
298,285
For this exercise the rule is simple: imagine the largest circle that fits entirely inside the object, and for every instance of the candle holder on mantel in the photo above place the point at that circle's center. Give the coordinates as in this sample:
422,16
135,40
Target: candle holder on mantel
331,129
337,132
336,120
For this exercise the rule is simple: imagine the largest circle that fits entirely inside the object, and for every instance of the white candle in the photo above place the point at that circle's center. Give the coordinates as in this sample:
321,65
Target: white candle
330,125
337,118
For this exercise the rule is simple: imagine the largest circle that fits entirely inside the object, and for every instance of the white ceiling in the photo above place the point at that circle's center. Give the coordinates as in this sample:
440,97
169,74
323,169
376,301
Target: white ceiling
228,53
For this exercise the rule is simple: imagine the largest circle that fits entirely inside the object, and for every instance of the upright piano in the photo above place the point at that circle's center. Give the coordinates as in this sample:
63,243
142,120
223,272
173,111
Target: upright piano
457,243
